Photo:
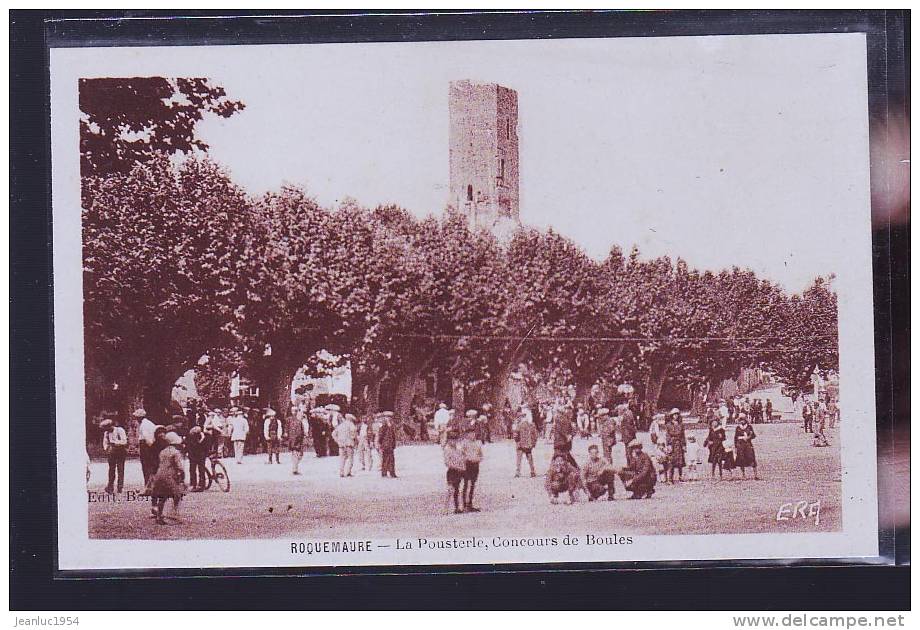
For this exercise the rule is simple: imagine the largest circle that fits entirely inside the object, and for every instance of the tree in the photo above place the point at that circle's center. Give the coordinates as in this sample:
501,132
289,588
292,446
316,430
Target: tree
807,336
164,249
129,121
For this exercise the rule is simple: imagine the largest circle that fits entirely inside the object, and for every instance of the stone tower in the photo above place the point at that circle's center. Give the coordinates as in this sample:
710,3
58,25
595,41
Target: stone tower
484,174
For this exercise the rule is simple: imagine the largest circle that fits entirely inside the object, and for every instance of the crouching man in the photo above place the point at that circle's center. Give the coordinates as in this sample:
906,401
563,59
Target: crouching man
599,475
639,474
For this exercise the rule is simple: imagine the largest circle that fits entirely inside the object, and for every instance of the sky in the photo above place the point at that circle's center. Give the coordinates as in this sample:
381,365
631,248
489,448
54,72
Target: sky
739,150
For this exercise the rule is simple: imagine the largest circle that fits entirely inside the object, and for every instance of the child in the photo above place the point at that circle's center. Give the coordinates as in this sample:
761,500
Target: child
456,467
662,457
561,477
744,446
168,482
715,443
694,458
115,445
471,449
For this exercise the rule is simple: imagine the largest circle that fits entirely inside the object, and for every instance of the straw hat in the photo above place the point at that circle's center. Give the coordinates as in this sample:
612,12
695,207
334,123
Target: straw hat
140,413
173,439
635,443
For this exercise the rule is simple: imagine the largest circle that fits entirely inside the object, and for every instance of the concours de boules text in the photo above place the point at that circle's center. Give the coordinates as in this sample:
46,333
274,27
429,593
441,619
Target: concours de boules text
473,542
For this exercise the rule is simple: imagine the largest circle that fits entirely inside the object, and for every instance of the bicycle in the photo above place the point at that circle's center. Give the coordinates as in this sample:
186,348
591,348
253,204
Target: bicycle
217,472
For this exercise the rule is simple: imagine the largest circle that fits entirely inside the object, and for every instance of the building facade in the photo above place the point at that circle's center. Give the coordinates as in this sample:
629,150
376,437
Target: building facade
484,158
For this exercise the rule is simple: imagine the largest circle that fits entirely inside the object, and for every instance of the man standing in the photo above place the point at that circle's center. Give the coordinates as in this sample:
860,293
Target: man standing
525,435
628,426
345,435
599,476
563,432
607,427
386,442
441,418
639,476
214,427
471,448
115,445
332,419
146,432
318,431
239,430
296,433
273,433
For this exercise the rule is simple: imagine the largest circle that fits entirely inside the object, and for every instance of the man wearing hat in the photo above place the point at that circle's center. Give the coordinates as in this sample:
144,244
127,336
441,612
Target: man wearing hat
346,435
455,462
274,433
469,421
599,475
239,429
146,436
332,418
639,475
471,448
607,427
386,444
115,445
197,447
441,418
628,426
525,436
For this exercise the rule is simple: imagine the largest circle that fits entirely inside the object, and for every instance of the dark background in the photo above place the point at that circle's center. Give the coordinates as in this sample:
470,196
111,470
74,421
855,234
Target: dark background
34,581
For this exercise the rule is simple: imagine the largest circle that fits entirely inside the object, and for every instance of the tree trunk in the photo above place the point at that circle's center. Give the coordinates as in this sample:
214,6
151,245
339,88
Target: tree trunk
158,392
280,389
653,384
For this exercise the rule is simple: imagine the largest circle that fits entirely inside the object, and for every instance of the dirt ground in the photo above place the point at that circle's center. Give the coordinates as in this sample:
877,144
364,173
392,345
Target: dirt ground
267,501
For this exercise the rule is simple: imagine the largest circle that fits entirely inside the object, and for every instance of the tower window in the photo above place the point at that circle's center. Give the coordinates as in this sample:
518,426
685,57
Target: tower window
508,128
469,192
501,168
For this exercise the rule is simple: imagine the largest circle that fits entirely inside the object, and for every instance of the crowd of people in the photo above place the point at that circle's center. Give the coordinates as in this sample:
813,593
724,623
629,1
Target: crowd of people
370,442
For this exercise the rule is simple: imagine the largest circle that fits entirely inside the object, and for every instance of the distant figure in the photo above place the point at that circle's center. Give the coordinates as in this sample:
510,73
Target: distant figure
694,458
714,442
197,446
239,430
455,462
769,410
346,436
274,433
296,438
639,475
168,481
386,443
146,433
744,446
599,476
115,446
607,428
471,448
808,417
677,441
331,420
365,440
441,418
628,426
562,476
525,436
214,428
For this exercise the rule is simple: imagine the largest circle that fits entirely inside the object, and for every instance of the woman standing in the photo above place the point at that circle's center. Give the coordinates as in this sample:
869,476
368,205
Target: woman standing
169,480
744,446
714,443
677,441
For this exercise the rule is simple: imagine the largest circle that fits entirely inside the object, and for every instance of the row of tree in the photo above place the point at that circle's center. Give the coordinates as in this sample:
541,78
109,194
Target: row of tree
181,263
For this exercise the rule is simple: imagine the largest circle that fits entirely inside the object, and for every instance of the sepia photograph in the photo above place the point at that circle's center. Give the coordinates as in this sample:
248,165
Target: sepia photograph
463,302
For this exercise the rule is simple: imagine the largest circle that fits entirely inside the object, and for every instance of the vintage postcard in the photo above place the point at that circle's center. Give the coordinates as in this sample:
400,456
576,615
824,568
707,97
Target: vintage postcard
465,303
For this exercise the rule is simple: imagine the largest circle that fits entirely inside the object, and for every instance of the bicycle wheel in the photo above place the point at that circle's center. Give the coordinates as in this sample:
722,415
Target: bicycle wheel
221,477
210,476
